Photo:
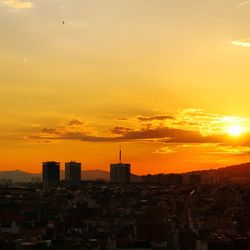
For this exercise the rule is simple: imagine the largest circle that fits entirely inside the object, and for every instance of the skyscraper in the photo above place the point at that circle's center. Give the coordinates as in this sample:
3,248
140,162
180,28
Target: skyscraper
120,172
51,173
73,172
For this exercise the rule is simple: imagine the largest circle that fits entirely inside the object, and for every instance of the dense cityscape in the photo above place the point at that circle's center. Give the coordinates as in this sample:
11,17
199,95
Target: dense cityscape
159,212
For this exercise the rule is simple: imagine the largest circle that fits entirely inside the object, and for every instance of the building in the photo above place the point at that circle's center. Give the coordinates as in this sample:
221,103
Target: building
194,179
120,172
164,179
73,172
51,173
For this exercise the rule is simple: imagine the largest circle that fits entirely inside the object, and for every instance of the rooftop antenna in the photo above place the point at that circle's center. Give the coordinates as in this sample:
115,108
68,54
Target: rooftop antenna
120,155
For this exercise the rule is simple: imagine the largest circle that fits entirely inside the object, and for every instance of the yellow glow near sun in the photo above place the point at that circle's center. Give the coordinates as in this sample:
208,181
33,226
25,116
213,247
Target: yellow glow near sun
235,130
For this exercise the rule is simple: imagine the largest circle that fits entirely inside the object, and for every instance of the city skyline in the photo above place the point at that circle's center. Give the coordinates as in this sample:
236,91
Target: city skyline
166,80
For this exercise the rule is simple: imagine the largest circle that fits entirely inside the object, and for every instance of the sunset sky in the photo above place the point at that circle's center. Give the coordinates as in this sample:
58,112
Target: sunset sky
167,80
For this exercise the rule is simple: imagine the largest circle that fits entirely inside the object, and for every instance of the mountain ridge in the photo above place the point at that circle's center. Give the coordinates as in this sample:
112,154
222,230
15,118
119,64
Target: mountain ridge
239,170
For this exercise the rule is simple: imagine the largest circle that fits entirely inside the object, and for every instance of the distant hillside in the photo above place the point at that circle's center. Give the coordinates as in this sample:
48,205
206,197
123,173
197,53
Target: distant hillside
242,170
18,176
235,171
95,175
90,175
21,176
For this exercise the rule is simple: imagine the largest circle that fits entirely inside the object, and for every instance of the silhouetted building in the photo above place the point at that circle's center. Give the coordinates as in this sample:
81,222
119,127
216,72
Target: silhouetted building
51,173
165,179
120,172
73,172
194,179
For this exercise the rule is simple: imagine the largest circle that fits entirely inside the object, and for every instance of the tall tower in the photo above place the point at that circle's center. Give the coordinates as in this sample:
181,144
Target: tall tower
51,173
120,155
120,172
73,172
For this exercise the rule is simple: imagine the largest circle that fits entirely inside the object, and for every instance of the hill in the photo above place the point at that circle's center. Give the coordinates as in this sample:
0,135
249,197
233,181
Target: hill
18,176
22,176
241,170
235,171
95,175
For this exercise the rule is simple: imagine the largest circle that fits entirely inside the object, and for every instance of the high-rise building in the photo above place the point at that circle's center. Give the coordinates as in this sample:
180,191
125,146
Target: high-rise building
194,179
51,173
120,172
73,172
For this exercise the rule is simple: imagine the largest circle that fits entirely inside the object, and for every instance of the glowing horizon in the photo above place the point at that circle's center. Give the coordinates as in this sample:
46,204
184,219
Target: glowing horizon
167,80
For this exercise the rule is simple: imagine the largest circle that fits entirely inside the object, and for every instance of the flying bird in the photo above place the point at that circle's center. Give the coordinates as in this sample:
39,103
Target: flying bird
63,22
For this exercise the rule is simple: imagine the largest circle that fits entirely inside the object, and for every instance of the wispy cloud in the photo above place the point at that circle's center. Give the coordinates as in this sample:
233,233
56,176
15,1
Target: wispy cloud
243,3
76,24
75,122
165,150
242,43
18,4
155,118
215,149
161,135
188,126
25,60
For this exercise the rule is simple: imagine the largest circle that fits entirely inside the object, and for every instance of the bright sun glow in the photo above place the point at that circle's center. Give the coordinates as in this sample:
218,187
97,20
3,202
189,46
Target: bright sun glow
235,130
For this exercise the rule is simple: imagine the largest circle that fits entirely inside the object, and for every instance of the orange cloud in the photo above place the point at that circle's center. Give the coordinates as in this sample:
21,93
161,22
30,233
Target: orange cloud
188,126
242,43
18,4
75,122
153,118
243,3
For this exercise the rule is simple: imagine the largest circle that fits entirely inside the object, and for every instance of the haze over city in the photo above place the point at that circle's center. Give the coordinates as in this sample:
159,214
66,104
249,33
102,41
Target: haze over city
166,80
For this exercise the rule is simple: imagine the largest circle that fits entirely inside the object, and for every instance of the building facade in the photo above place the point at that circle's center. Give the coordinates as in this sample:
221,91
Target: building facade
120,173
51,173
73,172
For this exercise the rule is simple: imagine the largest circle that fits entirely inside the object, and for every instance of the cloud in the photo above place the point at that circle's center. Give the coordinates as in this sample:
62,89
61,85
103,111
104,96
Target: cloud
120,130
243,3
82,136
162,134
215,149
61,134
75,122
189,126
231,150
169,135
165,150
197,113
18,4
153,118
72,131
76,24
51,131
25,60
185,124
242,43
172,135
122,118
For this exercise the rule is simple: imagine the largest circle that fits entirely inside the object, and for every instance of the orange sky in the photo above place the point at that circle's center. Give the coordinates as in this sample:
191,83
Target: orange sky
166,80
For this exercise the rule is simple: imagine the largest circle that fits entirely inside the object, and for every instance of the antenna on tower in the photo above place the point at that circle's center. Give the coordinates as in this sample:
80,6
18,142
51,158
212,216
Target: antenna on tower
120,155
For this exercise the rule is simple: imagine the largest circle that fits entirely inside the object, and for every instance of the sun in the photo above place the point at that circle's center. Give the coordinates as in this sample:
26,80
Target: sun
235,130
